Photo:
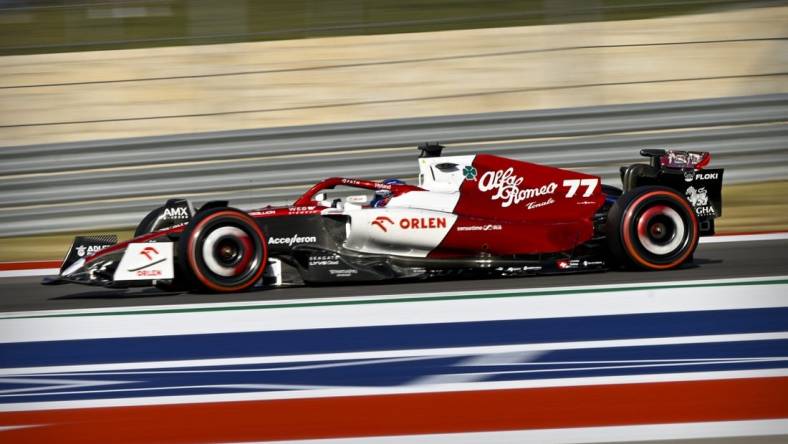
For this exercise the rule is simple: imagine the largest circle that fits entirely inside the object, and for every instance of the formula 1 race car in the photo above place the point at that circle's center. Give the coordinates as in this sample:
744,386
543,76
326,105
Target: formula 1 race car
479,214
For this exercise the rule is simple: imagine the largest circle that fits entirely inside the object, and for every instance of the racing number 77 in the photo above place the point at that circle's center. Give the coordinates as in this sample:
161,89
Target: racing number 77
574,184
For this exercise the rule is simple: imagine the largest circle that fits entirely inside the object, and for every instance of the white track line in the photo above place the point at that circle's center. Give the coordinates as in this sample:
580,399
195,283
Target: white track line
744,238
581,435
704,240
30,272
366,311
414,297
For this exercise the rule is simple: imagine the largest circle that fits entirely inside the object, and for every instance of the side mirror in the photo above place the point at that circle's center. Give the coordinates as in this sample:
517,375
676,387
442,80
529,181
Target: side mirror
358,199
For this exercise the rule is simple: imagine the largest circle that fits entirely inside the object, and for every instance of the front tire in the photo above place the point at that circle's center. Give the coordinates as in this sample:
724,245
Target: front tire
223,250
652,228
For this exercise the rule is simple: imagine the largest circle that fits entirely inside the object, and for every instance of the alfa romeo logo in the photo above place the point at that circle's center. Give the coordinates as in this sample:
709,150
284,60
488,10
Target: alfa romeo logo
469,172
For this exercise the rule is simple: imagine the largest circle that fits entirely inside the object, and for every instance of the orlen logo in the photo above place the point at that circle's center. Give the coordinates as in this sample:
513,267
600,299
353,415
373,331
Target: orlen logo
176,213
82,250
420,223
410,223
381,222
150,252
290,241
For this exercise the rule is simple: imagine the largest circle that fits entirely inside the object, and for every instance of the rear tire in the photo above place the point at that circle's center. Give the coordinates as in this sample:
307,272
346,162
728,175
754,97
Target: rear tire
223,250
652,228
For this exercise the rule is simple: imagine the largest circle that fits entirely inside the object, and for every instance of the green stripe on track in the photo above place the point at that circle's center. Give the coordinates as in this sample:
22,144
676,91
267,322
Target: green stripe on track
409,299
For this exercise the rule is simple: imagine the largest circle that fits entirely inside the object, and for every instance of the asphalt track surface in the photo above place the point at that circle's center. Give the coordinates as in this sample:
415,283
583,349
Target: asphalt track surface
712,261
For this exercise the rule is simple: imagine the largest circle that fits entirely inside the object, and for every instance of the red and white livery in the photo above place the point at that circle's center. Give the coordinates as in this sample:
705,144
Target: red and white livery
478,214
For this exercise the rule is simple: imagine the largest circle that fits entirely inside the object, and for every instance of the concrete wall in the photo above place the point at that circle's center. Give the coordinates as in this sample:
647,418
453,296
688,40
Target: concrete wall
126,93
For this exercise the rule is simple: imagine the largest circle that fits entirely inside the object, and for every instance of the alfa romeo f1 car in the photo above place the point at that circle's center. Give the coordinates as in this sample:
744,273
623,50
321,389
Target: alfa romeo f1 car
468,214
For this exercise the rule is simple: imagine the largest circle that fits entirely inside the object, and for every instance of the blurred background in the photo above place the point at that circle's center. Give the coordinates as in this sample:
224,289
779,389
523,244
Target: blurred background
109,107
32,26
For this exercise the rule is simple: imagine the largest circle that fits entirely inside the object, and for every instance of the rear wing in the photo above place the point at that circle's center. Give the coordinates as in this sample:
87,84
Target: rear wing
685,172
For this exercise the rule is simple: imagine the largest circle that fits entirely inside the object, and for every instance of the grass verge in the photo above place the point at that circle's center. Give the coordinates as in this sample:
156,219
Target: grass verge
56,26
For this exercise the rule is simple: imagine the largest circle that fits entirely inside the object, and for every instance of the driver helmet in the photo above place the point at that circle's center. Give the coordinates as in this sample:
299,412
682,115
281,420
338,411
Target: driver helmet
383,196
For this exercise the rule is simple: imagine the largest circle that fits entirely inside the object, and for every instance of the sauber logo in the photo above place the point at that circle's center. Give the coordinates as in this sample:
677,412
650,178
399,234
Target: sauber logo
381,222
151,254
410,223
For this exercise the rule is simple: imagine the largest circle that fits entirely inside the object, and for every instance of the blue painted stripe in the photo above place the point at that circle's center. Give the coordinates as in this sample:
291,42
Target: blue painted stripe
333,340
614,361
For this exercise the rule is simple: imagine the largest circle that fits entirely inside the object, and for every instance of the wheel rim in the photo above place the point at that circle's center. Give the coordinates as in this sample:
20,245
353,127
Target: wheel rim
227,251
661,230
658,230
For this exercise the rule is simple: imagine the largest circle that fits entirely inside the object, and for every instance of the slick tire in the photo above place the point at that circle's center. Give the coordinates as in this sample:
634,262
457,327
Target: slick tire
223,250
652,228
